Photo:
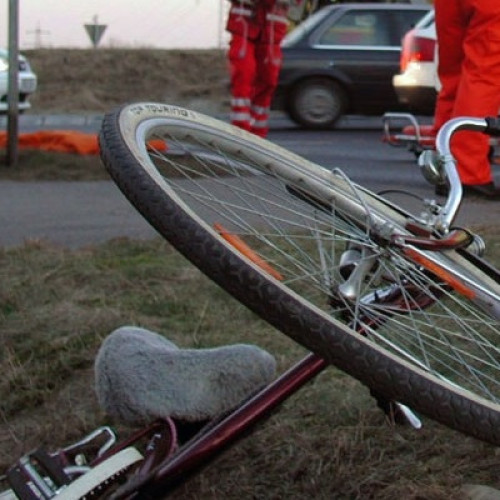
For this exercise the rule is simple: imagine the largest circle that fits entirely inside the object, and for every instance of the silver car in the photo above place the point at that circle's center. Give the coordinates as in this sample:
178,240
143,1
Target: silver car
27,81
417,83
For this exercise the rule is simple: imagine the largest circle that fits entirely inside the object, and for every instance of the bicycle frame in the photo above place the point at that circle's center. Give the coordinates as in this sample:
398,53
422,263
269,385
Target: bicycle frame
177,465
195,454
206,445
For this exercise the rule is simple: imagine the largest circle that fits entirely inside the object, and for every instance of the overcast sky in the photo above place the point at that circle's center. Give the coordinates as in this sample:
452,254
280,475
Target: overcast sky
130,23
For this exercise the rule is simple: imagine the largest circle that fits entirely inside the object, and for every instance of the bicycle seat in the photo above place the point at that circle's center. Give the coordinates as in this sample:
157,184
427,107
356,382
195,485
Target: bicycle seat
140,376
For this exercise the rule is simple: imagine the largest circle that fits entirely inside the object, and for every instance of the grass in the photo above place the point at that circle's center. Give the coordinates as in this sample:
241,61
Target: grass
327,441
37,165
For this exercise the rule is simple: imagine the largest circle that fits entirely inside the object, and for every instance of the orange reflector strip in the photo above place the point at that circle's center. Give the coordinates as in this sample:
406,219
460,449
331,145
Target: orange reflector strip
157,144
441,273
245,250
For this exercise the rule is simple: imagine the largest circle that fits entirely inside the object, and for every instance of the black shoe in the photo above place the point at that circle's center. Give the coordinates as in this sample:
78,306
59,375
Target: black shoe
486,191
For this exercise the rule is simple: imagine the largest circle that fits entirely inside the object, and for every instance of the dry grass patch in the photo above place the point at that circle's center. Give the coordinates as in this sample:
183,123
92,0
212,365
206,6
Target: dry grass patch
328,441
37,165
88,80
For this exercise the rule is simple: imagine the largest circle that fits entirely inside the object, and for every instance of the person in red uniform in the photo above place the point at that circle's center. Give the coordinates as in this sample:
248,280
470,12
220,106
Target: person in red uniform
257,28
468,34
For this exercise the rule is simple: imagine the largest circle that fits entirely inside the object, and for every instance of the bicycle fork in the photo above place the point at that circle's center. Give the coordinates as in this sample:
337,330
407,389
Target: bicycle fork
355,264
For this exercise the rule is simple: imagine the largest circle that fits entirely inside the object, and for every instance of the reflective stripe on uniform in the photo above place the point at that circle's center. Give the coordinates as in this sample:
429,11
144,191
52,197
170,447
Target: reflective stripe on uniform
241,11
259,123
240,102
240,117
260,110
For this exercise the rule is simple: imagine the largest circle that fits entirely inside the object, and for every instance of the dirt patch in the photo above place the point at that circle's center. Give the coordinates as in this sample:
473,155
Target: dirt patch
96,80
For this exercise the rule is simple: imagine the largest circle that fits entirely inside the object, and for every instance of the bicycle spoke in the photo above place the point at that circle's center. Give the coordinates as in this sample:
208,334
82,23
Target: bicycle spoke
330,264
303,239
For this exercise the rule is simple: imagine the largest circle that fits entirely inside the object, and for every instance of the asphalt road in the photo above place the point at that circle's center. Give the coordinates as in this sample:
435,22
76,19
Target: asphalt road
75,214
72,214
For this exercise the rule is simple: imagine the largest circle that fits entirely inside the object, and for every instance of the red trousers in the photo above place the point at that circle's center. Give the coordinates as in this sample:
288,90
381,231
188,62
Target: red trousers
254,71
468,33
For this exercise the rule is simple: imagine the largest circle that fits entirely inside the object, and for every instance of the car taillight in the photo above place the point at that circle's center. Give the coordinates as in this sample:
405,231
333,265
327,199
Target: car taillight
416,49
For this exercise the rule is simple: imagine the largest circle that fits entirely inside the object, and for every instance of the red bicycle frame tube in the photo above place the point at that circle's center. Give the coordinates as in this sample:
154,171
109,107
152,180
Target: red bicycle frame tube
197,452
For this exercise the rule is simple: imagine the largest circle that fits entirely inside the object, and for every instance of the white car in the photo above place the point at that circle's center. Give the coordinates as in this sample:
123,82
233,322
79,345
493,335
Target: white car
27,81
417,83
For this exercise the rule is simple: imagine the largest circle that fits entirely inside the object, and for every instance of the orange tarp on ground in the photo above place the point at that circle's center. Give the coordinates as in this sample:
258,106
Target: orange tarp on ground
63,141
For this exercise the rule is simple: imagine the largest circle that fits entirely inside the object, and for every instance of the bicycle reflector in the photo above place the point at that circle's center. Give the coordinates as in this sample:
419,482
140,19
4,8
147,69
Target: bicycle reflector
245,250
440,272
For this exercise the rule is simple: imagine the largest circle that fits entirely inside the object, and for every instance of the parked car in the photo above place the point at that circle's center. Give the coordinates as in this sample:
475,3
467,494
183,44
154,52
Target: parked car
417,83
342,60
27,81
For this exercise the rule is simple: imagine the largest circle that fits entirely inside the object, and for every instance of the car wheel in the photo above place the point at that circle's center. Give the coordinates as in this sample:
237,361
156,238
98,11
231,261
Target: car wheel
317,103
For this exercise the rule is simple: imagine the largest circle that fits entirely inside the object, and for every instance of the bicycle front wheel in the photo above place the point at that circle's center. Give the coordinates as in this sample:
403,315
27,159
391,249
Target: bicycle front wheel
313,254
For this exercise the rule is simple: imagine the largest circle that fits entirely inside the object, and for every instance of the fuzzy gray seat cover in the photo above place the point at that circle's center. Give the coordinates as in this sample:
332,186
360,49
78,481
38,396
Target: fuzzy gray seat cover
141,376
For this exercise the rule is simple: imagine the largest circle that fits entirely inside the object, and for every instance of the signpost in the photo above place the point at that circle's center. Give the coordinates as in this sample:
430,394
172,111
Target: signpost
13,88
95,31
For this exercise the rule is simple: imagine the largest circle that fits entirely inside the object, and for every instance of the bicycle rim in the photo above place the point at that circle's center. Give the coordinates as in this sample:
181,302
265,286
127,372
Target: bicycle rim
286,238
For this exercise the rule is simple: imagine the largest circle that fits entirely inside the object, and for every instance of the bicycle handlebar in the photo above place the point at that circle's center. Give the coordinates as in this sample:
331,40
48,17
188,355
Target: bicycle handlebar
489,126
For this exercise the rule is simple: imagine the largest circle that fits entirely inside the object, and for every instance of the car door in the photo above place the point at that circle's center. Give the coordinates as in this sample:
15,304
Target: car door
363,45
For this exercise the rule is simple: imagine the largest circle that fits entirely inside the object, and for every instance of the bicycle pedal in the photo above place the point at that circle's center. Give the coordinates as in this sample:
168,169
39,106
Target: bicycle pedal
102,477
90,466
40,474
8,495
97,442
37,475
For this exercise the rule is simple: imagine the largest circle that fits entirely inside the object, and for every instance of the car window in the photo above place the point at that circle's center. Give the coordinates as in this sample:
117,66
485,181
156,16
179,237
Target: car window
426,21
358,27
404,21
299,31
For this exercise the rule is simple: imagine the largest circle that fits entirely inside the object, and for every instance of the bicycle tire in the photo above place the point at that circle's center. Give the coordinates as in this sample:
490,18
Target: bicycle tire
208,155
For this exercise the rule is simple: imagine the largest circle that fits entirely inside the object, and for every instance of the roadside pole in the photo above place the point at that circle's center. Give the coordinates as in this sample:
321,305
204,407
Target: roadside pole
13,90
